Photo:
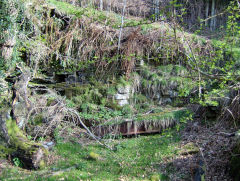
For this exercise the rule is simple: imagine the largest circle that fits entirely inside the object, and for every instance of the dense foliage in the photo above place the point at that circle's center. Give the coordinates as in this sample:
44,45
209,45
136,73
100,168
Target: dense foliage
115,71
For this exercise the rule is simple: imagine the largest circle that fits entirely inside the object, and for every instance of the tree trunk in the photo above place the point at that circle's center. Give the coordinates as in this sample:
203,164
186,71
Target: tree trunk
152,10
101,5
206,13
157,10
13,140
215,20
212,16
32,155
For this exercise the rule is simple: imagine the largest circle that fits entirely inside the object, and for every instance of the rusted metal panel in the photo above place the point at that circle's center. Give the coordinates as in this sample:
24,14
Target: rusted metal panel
128,128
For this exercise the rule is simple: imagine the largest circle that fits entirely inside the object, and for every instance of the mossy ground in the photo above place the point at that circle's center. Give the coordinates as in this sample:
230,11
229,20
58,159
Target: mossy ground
133,159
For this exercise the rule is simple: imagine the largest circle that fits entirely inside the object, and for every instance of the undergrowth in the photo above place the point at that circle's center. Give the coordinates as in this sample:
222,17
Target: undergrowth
133,159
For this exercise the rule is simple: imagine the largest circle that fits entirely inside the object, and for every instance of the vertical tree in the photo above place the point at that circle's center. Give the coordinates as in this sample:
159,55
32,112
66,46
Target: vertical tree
157,3
101,5
206,12
213,18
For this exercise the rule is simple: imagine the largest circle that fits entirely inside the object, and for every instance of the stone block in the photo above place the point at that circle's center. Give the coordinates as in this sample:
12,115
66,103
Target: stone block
124,90
121,96
123,102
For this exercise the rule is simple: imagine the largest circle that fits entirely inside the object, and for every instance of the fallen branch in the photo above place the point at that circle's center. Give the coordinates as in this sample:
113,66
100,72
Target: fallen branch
97,139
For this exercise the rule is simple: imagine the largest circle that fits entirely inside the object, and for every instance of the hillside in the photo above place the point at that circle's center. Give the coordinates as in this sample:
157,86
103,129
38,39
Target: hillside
96,93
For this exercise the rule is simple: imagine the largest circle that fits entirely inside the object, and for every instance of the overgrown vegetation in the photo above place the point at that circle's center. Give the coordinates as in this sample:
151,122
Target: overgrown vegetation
93,162
65,65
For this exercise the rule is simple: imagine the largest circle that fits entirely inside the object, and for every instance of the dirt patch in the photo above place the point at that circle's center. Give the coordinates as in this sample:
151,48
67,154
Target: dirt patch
215,145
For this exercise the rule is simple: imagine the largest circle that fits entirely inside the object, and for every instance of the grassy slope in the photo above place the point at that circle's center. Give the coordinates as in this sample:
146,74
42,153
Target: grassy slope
102,17
134,159
107,18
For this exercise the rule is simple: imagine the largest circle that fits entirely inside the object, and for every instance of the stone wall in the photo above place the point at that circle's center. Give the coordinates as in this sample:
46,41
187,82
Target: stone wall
123,94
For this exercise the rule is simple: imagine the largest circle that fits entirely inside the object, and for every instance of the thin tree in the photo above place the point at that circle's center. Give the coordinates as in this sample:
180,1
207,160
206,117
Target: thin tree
101,5
122,23
213,19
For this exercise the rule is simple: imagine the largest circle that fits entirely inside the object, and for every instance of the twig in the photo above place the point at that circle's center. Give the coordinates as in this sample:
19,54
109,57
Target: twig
227,134
148,112
85,127
233,117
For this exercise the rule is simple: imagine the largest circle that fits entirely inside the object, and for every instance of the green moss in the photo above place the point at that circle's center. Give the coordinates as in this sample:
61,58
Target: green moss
155,177
159,177
42,164
94,156
189,148
17,137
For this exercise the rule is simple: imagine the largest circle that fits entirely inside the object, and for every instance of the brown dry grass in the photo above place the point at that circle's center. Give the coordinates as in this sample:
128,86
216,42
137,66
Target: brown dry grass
82,42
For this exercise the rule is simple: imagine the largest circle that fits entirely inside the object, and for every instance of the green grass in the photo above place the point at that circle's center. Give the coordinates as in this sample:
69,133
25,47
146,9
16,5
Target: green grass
165,114
103,17
133,159
159,116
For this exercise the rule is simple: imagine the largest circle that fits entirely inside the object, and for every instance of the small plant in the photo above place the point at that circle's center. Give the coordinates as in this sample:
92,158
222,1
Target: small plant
70,103
41,139
127,111
57,135
29,137
17,162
